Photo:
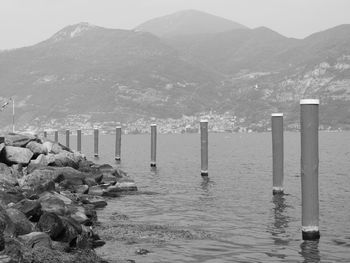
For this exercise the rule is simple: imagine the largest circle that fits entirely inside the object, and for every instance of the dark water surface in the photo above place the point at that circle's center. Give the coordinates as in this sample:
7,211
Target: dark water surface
235,207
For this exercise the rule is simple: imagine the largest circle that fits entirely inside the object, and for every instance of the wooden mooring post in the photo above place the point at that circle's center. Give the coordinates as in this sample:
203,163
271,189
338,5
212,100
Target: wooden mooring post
95,142
56,136
277,152
204,147
67,138
153,145
45,134
79,141
118,142
309,121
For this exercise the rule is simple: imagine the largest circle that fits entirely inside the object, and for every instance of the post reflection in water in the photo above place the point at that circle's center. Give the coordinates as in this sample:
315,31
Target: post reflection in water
309,251
280,223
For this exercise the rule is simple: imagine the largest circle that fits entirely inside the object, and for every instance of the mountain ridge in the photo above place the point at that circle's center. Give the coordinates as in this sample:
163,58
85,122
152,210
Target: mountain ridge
187,22
109,75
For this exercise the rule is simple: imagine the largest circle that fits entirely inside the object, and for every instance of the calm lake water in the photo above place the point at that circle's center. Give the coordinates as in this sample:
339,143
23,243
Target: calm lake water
235,206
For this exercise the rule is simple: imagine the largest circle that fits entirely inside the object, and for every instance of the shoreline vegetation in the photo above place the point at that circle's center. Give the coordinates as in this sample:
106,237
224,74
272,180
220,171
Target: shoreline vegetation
49,195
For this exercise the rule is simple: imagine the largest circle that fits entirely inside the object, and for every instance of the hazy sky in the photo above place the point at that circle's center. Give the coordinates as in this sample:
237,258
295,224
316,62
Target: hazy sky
26,22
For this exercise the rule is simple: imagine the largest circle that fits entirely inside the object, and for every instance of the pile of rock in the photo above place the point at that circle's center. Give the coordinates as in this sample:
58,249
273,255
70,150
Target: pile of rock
48,200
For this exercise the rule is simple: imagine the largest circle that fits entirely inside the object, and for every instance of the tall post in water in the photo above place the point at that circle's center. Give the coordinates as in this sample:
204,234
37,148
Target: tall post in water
277,152
153,144
45,134
56,136
309,168
79,141
204,147
96,142
67,138
118,142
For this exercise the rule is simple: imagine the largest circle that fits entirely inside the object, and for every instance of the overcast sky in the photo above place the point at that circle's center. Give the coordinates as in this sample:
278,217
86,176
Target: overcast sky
26,22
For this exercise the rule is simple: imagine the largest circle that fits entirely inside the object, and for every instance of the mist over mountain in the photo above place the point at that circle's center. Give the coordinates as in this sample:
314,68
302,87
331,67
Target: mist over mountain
168,68
188,22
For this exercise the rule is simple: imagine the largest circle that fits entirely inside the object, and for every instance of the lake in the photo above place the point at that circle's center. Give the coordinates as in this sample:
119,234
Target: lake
235,208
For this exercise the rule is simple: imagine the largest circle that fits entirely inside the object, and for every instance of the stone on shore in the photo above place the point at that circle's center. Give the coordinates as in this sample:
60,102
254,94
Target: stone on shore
53,204
31,209
21,222
72,229
36,148
96,201
123,185
38,177
19,140
51,224
16,155
6,175
11,195
36,239
7,227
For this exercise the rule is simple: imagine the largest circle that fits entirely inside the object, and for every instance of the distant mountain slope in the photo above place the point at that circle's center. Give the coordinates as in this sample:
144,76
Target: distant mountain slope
187,22
233,51
85,73
84,69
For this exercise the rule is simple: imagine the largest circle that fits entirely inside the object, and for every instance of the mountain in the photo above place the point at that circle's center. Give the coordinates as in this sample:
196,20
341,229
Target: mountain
108,74
233,51
87,74
188,22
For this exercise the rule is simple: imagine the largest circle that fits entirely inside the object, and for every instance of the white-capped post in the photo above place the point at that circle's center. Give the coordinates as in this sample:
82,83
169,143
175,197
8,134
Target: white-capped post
56,136
118,142
79,141
204,147
309,120
277,152
67,138
153,144
95,142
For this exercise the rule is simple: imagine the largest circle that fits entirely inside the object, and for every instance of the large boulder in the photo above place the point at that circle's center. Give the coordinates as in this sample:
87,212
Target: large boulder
19,140
11,195
78,213
70,174
7,227
122,185
72,229
38,177
31,209
36,239
61,196
2,146
12,154
51,224
22,224
66,158
52,204
96,190
6,175
96,201
36,148
48,146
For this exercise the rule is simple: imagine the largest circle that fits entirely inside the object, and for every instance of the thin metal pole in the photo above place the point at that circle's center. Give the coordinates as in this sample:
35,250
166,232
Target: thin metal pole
56,136
118,142
309,120
79,141
277,152
153,144
67,138
204,147
96,142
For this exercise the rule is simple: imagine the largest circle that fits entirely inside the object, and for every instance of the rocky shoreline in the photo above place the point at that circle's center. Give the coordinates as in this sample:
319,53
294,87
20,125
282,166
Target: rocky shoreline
49,195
